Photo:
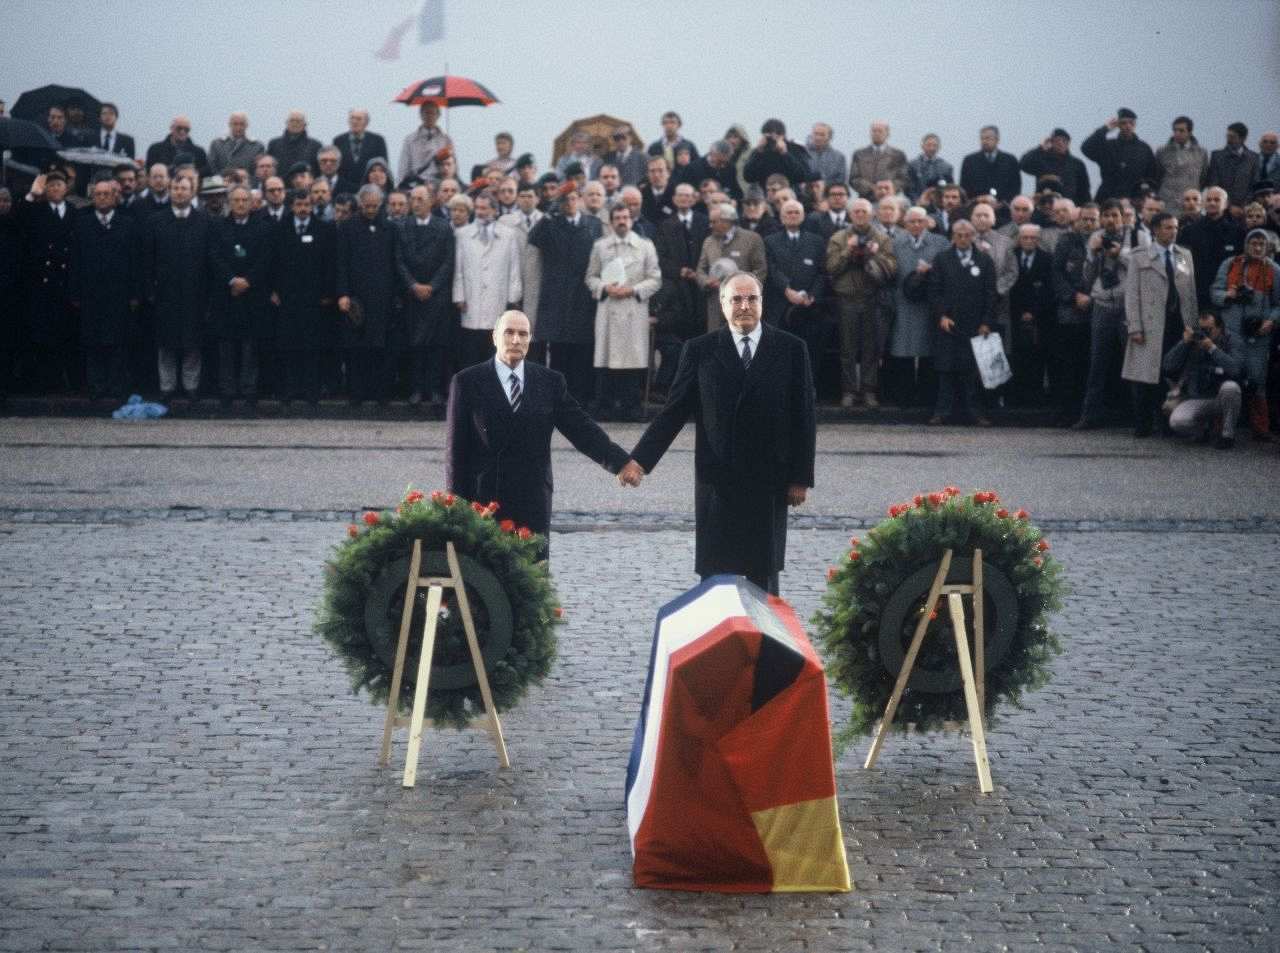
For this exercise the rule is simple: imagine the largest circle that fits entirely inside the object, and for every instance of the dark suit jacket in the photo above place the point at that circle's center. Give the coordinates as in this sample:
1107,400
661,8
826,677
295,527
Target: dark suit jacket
1033,291
792,264
756,436
302,275
493,453
121,145
681,310
978,176
372,145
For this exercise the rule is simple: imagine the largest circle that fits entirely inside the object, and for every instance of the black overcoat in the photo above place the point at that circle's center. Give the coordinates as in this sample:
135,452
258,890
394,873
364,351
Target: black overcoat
242,251
366,270
682,310
967,299
798,265
566,310
11,290
46,265
176,267
424,255
106,275
493,453
756,436
302,277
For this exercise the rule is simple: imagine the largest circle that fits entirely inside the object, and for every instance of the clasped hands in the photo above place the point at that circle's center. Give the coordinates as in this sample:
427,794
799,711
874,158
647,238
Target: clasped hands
632,473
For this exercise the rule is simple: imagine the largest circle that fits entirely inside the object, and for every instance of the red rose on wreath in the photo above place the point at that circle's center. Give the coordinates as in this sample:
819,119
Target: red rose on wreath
414,496
437,496
449,499
935,499
370,519
353,530
559,612
1022,515
854,555
853,541
1038,562
1002,513
918,499
507,526
524,532
831,573
1043,546
493,506
478,507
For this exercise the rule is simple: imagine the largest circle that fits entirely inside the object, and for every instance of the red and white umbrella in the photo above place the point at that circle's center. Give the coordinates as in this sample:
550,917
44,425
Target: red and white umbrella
446,91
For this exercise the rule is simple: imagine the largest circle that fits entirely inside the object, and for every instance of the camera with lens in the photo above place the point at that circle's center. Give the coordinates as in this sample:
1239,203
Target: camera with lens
1200,334
1244,294
1251,327
1109,243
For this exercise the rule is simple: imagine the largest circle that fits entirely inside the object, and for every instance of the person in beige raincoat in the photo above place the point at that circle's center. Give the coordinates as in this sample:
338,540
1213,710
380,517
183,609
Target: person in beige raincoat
622,275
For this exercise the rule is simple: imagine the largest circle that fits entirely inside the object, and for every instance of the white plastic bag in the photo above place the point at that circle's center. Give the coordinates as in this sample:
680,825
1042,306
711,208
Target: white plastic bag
992,364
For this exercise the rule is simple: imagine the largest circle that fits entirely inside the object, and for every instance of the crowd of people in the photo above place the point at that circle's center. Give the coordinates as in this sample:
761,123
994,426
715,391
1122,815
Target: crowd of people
306,270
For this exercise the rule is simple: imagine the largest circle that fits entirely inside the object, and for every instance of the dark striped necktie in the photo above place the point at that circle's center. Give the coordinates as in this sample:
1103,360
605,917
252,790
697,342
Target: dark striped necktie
515,393
746,353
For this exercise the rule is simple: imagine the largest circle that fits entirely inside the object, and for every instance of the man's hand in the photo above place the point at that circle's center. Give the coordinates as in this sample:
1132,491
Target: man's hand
984,330
422,292
1266,327
620,291
1027,317
796,494
946,324
923,267
688,274
795,297
1113,122
239,286
631,474
1095,242
344,304
275,298
1047,143
713,283
1082,300
461,306
37,187
1206,344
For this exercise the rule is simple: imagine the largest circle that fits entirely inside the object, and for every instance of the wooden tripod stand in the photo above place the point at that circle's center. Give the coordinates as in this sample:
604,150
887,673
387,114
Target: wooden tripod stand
435,586
972,673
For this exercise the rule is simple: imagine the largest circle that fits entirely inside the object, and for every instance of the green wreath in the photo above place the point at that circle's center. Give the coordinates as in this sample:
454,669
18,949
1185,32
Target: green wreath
509,590
875,597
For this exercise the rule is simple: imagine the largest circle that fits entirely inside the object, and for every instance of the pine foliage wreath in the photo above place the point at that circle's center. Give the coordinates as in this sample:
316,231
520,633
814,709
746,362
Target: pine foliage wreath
509,589
875,596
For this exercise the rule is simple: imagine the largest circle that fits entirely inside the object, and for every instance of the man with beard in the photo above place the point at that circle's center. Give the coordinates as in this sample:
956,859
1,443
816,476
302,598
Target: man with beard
176,283
302,270
366,284
106,282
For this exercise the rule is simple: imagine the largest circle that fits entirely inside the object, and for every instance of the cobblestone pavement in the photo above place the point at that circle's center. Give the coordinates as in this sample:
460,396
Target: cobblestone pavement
182,766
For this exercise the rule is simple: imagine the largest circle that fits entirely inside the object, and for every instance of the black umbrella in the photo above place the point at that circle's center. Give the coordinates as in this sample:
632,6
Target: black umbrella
22,134
35,103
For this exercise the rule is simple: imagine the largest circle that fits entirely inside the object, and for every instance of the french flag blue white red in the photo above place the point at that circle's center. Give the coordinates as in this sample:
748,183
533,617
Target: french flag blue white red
430,23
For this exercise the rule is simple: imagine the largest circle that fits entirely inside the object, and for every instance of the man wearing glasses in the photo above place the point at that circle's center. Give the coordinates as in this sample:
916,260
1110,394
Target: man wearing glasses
178,144
749,388
273,192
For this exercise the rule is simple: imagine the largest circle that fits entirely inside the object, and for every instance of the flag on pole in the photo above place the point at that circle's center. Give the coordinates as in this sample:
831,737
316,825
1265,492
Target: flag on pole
731,786
430,23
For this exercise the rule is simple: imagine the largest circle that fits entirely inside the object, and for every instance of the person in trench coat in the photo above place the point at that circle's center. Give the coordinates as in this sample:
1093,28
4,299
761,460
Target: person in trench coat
622,315
1155,316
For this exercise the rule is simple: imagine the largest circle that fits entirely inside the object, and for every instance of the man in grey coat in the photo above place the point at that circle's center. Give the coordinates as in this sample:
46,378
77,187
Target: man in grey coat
828,163
236,149
1181,163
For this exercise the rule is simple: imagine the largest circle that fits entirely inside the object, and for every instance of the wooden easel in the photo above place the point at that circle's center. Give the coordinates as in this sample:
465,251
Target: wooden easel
435,586
974,685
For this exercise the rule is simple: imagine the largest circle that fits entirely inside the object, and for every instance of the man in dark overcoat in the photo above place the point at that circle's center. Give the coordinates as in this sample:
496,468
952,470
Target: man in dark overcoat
566,310
302,275
795,296
11,292
106,285
681,312
176,267
46,219
962,299
749,390
1032,308
241,285
366,283
424,263
498,438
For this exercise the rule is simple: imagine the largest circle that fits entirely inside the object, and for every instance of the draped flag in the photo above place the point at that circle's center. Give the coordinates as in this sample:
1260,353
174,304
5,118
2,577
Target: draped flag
731,786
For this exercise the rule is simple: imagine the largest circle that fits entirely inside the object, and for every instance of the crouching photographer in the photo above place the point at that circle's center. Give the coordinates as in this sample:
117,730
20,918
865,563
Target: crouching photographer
1247,289
1208,363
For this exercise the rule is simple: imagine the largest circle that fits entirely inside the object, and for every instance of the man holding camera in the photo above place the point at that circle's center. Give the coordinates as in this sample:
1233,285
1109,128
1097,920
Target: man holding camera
1247,289
1105,270
1208,360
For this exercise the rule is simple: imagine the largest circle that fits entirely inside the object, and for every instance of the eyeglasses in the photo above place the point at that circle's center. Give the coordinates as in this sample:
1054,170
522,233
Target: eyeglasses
738,300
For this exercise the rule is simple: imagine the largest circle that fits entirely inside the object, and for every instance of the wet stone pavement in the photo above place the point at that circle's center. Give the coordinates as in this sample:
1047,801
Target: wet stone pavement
183,766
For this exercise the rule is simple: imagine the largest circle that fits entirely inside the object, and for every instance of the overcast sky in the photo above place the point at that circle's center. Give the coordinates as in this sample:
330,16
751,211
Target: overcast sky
1026,66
